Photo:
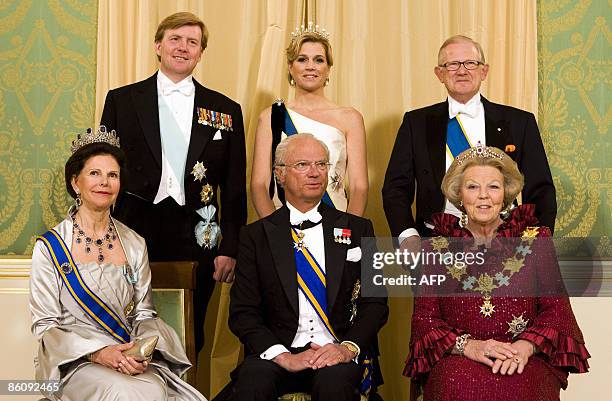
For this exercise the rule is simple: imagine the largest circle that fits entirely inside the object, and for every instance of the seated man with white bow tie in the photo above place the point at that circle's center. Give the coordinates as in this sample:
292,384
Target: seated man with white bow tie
430,138
186,161
296,303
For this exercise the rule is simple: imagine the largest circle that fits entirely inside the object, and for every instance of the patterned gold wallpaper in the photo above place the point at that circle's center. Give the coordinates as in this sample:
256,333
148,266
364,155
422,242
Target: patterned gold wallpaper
47,81
574,113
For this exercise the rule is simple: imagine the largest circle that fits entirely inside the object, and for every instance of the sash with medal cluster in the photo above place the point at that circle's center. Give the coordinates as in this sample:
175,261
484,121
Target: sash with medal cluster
88,301
206,231
312,283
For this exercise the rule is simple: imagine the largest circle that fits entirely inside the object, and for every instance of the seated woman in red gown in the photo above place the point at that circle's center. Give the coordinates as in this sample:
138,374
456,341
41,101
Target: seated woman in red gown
516,335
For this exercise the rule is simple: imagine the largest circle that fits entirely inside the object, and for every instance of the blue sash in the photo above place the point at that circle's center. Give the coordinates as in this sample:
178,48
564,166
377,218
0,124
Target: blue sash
456,138
312,282
366,380
290,129
93,306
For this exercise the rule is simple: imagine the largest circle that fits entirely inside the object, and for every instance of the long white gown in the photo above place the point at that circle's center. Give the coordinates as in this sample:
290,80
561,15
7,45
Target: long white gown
66,334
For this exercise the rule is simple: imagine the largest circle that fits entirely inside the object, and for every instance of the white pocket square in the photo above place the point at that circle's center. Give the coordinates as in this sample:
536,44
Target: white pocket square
353,254
217,136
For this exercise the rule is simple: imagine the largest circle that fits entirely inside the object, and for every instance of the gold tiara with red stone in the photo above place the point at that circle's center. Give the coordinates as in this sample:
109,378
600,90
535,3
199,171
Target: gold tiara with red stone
310,28
91,136
479,151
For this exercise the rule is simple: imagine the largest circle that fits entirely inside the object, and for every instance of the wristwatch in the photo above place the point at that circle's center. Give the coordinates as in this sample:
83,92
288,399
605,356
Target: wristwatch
461,341
351,347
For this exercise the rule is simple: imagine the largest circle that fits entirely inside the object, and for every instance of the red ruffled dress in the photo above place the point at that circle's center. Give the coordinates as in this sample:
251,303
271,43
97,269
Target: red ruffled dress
551,325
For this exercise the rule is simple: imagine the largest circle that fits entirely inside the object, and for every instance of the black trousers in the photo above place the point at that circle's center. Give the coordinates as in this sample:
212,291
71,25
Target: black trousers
261,380
168,230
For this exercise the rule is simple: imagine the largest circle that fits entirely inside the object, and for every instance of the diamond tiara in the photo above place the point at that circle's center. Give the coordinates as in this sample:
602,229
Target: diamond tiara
91,136
310,28
479,151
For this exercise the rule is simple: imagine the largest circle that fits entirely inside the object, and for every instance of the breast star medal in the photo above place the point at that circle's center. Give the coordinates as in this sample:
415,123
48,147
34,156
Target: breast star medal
517,325
199,174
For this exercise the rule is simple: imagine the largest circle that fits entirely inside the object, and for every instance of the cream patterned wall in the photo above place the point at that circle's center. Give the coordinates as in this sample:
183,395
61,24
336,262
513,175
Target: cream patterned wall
47,76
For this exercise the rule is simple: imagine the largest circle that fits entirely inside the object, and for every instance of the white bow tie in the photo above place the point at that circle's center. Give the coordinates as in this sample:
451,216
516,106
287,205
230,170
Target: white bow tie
184,87
297,217
470,109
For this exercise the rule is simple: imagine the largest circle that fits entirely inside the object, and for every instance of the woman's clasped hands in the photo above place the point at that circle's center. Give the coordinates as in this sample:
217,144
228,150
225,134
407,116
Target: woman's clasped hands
501,357
113,358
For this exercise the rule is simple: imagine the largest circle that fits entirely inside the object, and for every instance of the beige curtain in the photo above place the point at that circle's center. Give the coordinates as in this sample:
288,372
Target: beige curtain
384,54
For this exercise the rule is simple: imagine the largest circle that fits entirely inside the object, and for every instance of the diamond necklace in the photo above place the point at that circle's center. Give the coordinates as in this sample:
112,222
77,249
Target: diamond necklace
109,238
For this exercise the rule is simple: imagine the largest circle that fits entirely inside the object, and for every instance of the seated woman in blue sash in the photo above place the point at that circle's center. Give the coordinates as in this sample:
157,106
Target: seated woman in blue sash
90,294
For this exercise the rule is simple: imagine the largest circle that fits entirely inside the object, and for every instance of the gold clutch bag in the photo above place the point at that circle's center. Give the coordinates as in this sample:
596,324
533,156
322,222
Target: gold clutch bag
143,348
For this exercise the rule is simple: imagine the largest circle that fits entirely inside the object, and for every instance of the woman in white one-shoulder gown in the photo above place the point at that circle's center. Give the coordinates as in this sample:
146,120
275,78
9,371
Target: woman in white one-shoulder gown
309,59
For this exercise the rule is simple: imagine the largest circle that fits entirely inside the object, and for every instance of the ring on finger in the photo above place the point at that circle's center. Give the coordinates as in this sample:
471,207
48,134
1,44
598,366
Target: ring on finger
487,353
517,360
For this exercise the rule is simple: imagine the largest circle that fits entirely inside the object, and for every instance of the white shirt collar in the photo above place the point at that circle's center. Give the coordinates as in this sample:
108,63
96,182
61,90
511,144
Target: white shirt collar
470,108
165,84
297,217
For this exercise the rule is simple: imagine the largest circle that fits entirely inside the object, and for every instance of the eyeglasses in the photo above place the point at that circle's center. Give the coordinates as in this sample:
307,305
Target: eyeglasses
304,165
468,64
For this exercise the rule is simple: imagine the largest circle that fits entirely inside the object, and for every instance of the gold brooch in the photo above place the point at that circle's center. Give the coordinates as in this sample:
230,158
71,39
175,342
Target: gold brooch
530,232
517,325
336,182
206,194
129,308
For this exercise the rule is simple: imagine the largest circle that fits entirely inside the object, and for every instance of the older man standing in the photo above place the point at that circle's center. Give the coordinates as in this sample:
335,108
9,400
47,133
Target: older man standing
430,138
184,144
296,303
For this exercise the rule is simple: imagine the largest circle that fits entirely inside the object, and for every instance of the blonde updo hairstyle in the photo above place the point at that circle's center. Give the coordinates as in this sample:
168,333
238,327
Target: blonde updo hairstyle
293,50
453,179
